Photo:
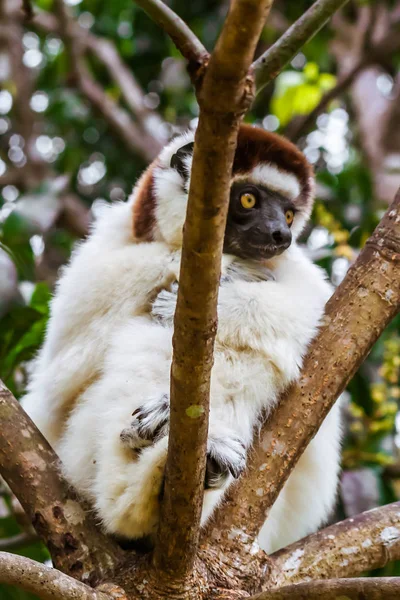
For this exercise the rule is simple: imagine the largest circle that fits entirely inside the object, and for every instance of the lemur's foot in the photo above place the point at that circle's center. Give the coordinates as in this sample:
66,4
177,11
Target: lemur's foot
164,305
150,423
226,455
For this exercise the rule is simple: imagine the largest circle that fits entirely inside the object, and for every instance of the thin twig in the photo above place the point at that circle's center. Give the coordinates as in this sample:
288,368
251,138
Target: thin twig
369,294
269,64
182,36
47,583
32,470
225,90
366,588
361,543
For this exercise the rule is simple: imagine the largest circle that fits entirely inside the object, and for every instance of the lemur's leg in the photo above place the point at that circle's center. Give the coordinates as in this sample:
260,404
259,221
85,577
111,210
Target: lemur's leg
164,305
226,453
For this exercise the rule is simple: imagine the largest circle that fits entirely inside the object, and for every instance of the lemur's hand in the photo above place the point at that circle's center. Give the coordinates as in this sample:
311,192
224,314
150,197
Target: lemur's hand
150,423
246,270
164,305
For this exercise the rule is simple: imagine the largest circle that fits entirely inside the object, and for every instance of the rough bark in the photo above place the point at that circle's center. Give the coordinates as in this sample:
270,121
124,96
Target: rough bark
269,64
368,541
47,583
356,315
32,470
379,588
224,95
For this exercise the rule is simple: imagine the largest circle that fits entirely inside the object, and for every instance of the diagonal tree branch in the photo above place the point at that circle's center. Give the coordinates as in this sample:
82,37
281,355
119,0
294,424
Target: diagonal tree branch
47,583
351,547
32,470
225,94
368,588
370,294
269,64
182,36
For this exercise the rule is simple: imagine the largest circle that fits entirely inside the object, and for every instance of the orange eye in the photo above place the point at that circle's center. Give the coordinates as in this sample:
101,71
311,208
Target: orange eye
248,200
289,214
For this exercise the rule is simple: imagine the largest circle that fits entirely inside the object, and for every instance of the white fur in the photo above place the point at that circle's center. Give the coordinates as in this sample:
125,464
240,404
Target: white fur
104,356
276,179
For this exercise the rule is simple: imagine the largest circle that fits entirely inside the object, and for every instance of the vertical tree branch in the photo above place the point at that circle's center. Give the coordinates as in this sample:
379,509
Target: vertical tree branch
269,64
224,96
32,470
358,312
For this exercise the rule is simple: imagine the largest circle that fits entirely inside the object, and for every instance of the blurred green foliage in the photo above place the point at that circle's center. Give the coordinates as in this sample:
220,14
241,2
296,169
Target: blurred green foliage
345,214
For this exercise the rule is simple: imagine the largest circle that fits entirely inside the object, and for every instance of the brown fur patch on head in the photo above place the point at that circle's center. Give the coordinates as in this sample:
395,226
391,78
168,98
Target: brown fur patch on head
255,146
144,208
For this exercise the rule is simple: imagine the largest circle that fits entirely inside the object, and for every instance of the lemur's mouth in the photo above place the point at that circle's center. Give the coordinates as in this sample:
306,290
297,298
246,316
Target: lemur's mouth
270,250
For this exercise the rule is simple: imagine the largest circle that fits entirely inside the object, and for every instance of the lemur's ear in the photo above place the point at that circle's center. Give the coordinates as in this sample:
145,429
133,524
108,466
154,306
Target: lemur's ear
177,160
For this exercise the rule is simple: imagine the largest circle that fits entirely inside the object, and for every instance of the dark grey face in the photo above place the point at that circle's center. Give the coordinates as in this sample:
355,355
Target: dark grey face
259,221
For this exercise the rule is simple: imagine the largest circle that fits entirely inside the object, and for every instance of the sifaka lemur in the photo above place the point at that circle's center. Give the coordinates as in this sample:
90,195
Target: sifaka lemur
99,386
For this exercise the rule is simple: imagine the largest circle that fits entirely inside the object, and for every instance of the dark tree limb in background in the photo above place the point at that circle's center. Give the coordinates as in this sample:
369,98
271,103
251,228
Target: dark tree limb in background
367,541
368,588
183,37
28,10
373,54
369,294
225,93
135,139
11,34
32,470
300,125
106,52
46,582
375,30
269,64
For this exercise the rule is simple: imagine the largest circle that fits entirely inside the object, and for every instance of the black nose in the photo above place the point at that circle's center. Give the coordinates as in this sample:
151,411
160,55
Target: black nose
282,237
